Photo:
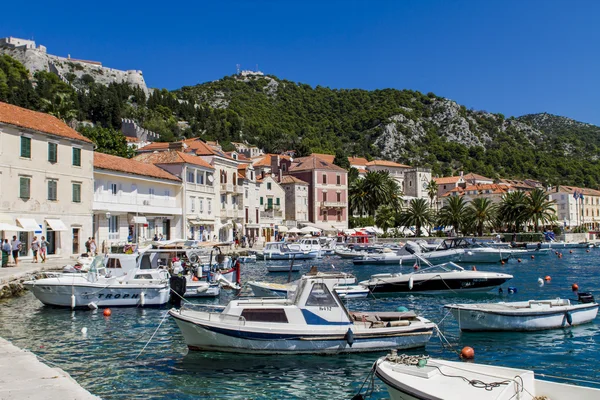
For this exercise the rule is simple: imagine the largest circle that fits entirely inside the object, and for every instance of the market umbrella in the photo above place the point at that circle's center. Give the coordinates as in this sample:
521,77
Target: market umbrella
282,228
294,230
309,229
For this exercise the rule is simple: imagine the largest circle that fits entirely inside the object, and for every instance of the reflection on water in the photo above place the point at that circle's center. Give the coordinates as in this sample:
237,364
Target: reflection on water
104,360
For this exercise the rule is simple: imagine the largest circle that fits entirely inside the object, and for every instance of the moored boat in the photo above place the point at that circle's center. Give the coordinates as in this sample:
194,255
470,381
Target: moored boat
408,254
424,378
529,315
283,268
312,319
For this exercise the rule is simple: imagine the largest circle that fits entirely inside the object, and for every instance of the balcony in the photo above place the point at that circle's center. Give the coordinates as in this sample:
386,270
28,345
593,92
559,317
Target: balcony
208,189
227,213
227,187
239,189
332,204
271,213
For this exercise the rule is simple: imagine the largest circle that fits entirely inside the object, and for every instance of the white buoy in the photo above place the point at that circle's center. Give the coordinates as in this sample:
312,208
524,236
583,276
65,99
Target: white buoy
143,299
84,331
540,282
72,301
410,283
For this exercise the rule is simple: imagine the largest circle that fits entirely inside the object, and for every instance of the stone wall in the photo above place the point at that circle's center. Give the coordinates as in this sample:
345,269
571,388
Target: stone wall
131,129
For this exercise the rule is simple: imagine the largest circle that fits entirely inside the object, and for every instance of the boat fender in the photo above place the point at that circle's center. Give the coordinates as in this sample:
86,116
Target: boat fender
569,318
72,301
349,336
401,309
92,306
512,290
540,282
410,283
143,299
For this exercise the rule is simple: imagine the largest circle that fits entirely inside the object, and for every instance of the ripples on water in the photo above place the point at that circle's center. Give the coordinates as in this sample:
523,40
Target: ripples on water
104,361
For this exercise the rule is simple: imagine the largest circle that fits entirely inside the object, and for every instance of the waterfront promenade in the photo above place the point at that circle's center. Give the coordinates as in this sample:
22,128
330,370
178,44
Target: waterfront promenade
16,274
24,376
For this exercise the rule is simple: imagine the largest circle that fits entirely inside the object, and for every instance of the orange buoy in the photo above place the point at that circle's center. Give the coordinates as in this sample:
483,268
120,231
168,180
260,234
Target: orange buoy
473,268
547,278
518,260
575,287
571,251
194,278
502,262
467,353
560,255
556,252
532,257
107,312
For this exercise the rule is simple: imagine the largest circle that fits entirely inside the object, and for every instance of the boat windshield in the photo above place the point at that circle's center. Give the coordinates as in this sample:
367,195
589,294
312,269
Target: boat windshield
97,264
446,267
293,291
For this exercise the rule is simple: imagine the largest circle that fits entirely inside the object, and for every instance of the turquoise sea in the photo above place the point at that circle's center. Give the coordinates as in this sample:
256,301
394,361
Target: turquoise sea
105,360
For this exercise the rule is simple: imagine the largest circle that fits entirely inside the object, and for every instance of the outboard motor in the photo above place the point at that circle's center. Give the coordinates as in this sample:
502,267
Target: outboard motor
585,298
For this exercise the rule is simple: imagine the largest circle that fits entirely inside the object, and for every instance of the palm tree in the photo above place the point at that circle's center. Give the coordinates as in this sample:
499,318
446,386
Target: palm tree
482,211
432,191
61,106
418,214
454,213
386,218
357,197
538,208
512,209
380,189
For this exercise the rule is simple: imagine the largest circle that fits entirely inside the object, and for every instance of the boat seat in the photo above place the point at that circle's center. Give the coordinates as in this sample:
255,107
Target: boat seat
382,316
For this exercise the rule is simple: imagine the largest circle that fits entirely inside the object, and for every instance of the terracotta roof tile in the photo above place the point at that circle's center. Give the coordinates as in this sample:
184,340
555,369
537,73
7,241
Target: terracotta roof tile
585,191
313,162
288,179
361,161
472,176
172,157
194,145
327,157
446,179
265,159
38,121
386,163
130,166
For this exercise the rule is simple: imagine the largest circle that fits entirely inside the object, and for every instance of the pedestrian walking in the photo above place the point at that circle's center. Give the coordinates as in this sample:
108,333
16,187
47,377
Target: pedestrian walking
5,252
43,248
87,246
16,247
35,247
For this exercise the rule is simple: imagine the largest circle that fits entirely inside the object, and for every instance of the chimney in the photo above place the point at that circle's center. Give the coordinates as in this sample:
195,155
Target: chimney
177,146
461,174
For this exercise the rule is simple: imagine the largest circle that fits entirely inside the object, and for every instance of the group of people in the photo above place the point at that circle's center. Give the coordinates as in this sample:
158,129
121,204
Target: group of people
90,247
38,247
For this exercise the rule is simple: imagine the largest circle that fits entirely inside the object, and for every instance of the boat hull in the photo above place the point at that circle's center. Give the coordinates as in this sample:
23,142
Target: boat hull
408,259
470,320
478,257
118,295
289,256
204,337
437,285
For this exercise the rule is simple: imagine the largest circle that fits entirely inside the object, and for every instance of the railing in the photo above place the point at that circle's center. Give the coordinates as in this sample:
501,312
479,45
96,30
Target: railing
271,214
227,187
200,188
139,200
336,204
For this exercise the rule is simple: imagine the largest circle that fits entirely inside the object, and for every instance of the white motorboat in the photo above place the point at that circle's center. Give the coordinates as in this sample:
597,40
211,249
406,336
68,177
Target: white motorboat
408,254
286,251
116,264
283,268
311,244
247,259
344,286
529,315
474,252
423,378
442,278
349,253
312,319
560,245
140,287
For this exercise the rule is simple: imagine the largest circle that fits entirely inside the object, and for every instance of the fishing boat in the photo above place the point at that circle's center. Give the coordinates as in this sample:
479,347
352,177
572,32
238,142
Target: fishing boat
408,254
312,319
285,251
442,278
424,378
140,287
283,268
344,286
532,315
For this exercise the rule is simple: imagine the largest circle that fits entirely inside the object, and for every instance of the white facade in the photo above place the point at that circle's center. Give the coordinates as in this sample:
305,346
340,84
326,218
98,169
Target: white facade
136,207
572,212
47,185
271,205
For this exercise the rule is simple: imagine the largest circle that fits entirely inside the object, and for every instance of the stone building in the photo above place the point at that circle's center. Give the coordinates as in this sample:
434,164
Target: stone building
296,200
46,178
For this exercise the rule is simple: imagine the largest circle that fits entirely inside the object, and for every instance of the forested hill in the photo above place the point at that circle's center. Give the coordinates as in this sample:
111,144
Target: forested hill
405,126
277,115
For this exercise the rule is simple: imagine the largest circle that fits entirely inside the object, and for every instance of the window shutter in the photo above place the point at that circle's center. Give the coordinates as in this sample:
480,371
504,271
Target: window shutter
76,156
25,147
76,193
52,149
24,188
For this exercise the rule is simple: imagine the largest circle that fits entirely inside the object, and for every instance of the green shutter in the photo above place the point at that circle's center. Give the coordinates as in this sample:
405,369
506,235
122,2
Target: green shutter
76,193
261,201
76,156
277,201
25,147
52,186
24,188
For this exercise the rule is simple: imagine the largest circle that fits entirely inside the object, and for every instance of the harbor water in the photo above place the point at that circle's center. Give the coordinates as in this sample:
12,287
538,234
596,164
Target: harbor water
108,359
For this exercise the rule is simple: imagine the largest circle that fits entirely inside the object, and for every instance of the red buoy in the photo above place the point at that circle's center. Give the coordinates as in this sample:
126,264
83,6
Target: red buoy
467,353
575,287
518,260
587,251
532,256
107,312
547,278
502,262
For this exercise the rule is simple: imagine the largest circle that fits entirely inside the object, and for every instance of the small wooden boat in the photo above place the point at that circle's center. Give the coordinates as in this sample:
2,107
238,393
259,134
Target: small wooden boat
529,315
282,268
312,319
424,378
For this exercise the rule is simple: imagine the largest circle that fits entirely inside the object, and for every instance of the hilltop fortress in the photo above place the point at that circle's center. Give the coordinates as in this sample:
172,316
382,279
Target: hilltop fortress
35,58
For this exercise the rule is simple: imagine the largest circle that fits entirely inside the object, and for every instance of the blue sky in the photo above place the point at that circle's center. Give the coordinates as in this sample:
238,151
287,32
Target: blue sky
512,57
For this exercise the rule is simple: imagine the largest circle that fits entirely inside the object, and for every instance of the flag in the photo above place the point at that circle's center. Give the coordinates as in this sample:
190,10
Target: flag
576,195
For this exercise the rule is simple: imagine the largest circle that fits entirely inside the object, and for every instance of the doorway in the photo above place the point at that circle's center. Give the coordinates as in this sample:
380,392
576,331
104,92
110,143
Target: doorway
51,238
167,229
25,243
76,241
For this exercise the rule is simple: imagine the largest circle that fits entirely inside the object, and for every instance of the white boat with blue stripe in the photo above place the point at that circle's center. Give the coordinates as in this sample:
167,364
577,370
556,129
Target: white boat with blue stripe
312,319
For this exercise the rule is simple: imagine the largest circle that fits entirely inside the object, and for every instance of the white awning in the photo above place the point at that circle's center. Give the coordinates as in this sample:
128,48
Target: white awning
309,229
10,227
28,224
282,228
138,219
56,225
295,230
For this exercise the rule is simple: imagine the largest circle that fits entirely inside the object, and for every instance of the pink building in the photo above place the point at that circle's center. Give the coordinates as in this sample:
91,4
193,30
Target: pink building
327,191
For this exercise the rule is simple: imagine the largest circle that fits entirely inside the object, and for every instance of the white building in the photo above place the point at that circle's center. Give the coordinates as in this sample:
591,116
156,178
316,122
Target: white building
46,176
199,189
577,206
271,206
134,201
296,200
